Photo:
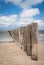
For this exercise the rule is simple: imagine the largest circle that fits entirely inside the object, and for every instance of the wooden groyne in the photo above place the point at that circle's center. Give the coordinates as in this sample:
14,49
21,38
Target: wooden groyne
34,42
27,38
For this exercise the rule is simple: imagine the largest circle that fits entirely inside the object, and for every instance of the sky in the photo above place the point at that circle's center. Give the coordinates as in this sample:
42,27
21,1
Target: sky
18,13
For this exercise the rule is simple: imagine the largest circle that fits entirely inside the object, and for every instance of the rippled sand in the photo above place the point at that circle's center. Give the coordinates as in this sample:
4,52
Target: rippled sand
11,54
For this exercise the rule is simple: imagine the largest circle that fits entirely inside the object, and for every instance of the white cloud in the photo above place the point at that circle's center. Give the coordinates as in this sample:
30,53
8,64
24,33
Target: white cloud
7,20
25,18
29,12
29,21
17,2
26,3
24,23
29,3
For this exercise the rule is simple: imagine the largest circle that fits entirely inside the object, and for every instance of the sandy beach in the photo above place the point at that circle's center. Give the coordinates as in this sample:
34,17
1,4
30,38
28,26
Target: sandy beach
11,54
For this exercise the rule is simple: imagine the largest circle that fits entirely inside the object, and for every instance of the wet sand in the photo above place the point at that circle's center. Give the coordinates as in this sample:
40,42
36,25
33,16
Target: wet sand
11,54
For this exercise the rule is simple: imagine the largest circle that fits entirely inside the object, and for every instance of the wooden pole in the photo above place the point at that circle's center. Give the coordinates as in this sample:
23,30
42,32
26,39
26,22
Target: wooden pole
34,41
28,40
21,37
25,39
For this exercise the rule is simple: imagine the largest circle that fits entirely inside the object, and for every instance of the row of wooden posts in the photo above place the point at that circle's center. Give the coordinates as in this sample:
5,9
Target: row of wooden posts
27,38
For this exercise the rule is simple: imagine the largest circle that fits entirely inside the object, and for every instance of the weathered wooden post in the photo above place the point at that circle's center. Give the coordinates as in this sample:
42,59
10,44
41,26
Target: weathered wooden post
28,28
34,41
21,37
25,38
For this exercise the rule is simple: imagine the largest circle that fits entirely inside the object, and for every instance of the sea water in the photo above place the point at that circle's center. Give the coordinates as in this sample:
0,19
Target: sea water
41,37
5,36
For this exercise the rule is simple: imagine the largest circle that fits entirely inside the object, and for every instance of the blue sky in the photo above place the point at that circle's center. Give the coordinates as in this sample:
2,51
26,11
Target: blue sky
18,13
